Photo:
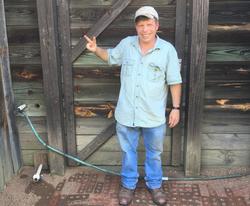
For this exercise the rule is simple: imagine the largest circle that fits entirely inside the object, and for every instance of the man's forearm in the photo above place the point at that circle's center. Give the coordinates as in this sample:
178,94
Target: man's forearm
102,53
176,94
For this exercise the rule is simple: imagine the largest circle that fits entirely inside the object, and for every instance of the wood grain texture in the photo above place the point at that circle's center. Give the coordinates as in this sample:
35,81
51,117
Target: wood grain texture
180,35
67,77
195,88
8,96
98,141
47,20
102,23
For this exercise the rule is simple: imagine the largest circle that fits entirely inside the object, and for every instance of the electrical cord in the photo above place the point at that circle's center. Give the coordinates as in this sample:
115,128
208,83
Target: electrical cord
21,109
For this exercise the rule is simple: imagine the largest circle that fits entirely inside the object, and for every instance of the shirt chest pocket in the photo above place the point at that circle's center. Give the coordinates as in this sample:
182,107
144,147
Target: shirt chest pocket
127,67
155,72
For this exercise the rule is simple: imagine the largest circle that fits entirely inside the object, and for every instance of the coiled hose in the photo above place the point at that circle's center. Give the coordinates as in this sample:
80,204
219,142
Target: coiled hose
21,109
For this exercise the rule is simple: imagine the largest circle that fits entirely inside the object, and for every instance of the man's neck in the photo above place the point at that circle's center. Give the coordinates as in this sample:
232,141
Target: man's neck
146,46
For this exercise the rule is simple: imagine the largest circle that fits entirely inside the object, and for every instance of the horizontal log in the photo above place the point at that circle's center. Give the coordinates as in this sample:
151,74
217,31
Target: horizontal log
214,72
114,158
98,158
30,54
229,12
23,34
228,53
28,90
25,54
113,145
227,90
233,33
235,117
227,72
225,157
224,126
102,92
26,15
28,141
28,156
227,105
104,37
225,141
91,126
95,3
30,34
38,122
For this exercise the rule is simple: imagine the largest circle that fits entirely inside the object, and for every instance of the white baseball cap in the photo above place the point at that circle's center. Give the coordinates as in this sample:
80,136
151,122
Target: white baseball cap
147,11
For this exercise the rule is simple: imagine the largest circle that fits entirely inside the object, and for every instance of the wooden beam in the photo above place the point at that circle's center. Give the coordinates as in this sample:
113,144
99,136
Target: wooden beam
180,32
47,20
102,24
67,76
98,141
9,105
195,88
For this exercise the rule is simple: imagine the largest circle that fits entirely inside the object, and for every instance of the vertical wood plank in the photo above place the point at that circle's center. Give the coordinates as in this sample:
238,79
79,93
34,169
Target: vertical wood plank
2,180
195,88
180,32
9,106
67,76
47,20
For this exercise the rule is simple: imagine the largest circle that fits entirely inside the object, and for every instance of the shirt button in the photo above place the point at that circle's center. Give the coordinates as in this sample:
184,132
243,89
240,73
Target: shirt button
136,96
137,85
139,74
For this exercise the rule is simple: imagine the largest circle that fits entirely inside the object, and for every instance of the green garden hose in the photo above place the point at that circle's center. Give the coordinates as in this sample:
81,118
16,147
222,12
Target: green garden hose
50,148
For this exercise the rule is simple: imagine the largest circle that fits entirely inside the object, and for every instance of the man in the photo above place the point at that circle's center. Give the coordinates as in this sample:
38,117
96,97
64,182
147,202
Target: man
148,65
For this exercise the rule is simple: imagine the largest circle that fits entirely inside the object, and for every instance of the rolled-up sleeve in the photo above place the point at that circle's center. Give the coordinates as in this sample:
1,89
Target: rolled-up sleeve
115,54
173,68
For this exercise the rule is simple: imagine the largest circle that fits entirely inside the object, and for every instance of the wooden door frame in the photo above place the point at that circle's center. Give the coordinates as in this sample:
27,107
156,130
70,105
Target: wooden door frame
195,67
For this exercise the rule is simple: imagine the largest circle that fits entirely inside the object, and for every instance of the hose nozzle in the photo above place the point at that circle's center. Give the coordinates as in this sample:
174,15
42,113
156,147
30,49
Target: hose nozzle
21,108
37,176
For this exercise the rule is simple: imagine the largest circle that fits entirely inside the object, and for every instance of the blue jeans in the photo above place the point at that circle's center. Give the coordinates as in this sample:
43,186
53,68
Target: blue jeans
153,140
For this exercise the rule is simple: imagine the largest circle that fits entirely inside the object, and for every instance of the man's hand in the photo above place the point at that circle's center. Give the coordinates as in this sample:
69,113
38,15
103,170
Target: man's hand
174,118
98,51
91,45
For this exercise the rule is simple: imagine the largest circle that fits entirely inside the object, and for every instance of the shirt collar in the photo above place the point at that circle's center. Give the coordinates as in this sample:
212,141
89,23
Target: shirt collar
156,47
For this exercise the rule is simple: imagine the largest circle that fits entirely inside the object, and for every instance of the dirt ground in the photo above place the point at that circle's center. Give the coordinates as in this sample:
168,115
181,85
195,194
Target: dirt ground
84,187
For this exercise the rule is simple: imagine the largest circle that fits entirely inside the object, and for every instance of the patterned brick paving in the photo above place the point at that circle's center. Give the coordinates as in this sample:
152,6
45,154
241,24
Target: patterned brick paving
96,189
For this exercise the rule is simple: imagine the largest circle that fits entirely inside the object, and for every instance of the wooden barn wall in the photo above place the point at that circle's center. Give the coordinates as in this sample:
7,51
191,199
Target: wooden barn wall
226,122
96,84
226,125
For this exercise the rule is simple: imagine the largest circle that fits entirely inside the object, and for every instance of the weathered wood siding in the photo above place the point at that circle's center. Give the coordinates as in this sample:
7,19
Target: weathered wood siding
96,85
226,122
225,126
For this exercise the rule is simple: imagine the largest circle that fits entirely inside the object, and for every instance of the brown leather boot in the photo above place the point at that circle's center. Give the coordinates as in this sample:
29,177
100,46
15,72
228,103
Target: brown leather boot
125,196
158,196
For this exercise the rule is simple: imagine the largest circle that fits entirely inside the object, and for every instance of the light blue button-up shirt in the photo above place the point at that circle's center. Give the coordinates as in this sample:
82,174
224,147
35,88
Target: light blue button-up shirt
144,81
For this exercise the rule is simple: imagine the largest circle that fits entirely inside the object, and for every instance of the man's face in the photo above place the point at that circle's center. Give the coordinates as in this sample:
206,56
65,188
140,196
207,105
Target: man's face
146,30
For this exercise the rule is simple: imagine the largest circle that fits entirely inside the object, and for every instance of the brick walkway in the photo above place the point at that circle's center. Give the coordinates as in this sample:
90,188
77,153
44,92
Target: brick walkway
85,188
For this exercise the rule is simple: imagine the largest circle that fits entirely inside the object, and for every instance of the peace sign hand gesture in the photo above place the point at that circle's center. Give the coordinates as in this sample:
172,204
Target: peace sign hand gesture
91,45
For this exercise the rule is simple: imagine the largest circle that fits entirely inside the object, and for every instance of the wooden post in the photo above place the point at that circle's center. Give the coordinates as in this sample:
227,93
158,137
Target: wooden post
47,20
67,76
6,84
180,28
195,88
